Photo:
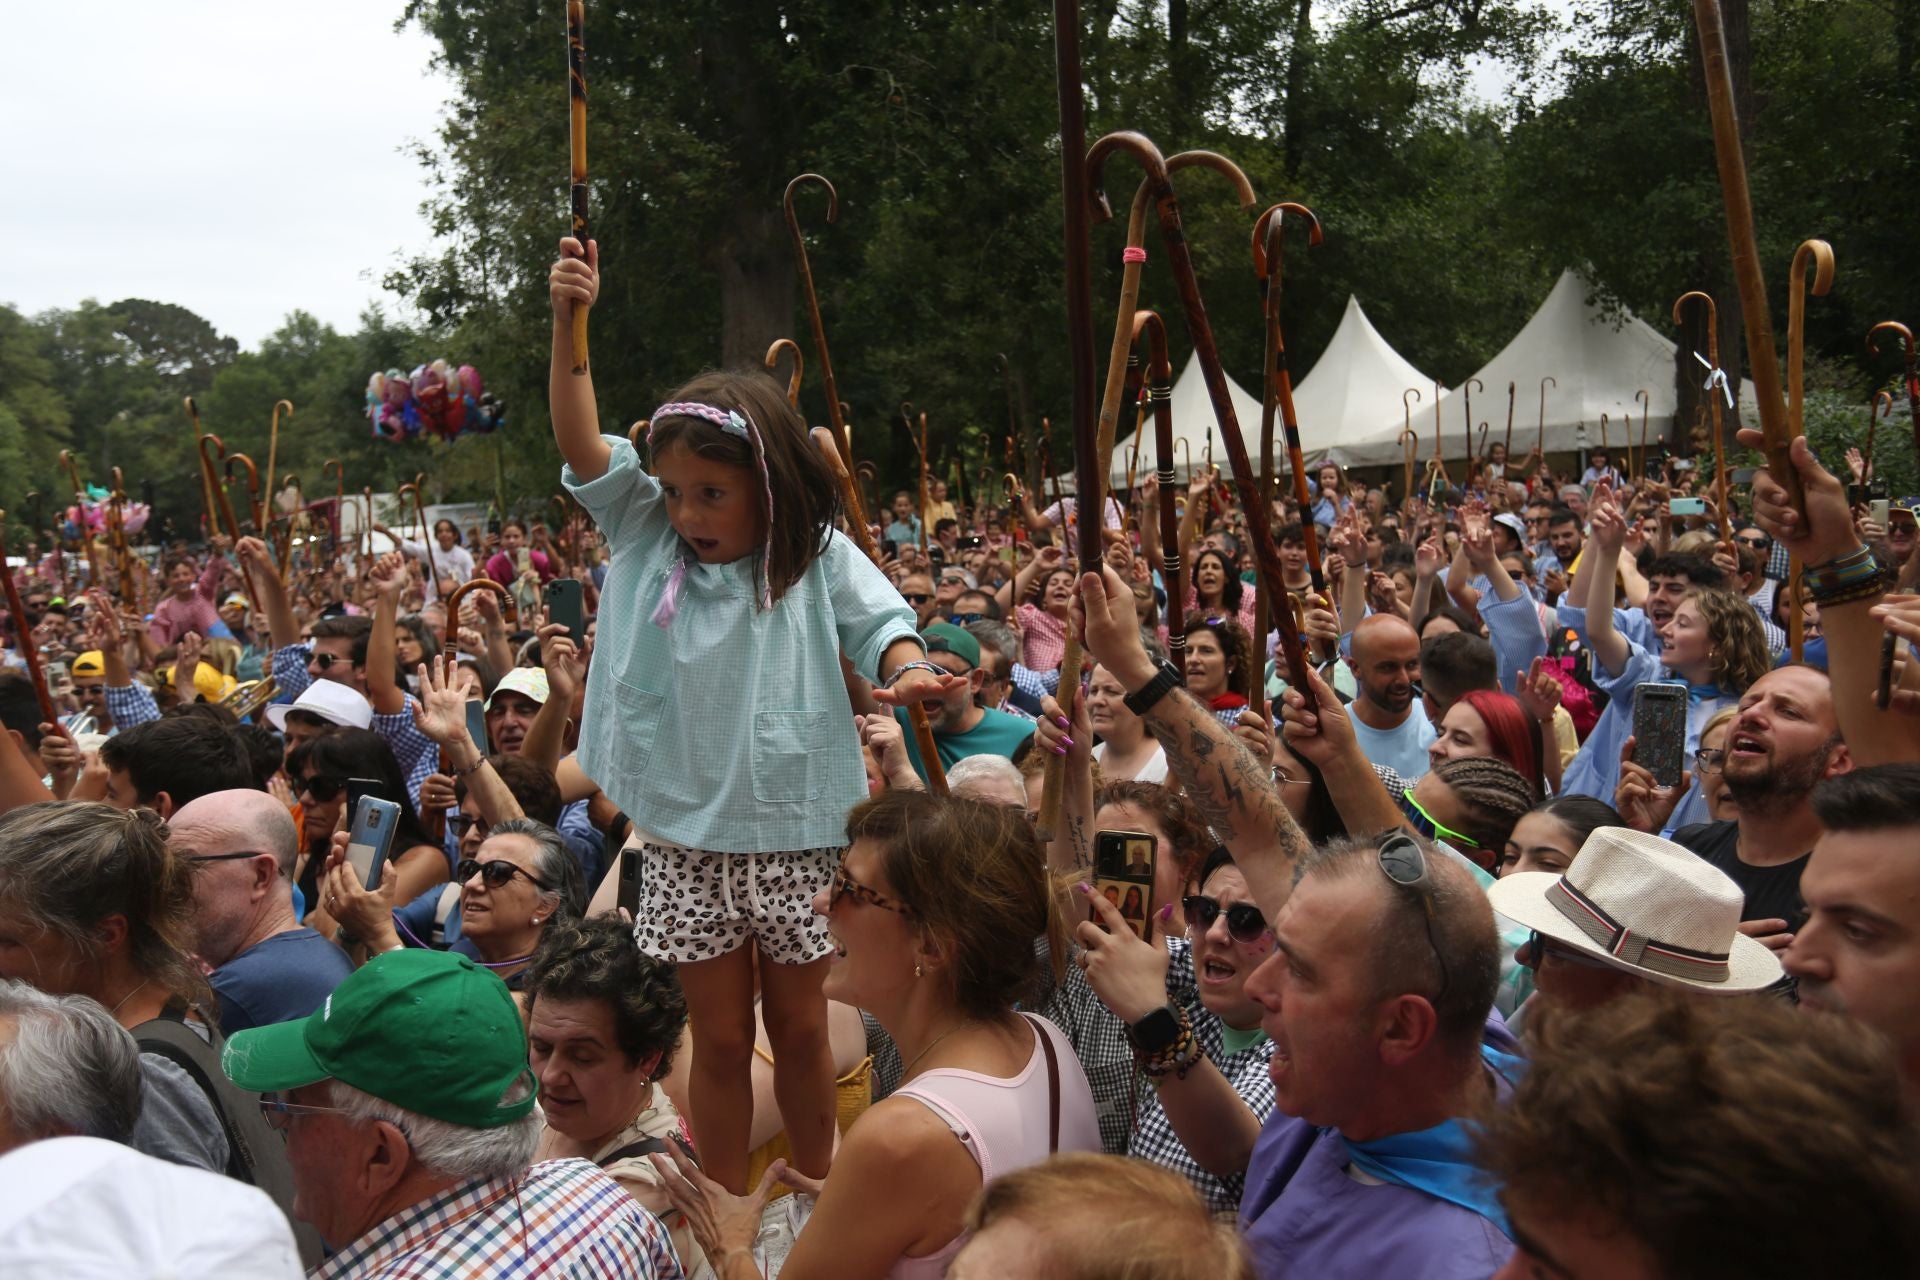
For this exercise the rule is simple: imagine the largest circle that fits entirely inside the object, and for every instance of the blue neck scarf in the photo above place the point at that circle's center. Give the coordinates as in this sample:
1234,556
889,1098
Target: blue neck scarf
1439,1161
1698,692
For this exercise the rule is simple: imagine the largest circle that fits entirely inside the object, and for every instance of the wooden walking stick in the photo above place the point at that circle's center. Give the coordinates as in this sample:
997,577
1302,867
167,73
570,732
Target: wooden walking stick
1715,388
1603,440
919,439
863,538
1509,458
1820,253
1268,234
835,411
23,636
1913,374
799,366
1173,234
1409,439
1881,406
335,525
1540,439
1746,259
1466,390
1148,327
87,548
1646,411
206,475
117,538
273,461
577,155
253,505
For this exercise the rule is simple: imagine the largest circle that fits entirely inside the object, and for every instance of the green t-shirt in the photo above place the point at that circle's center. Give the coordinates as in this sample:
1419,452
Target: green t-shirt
997,734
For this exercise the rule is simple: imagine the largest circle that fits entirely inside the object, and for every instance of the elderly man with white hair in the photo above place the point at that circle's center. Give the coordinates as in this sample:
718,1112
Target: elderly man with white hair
408,1108
266,966
67,1069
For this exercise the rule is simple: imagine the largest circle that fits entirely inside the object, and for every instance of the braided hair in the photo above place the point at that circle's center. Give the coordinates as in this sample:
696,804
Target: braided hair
1493,798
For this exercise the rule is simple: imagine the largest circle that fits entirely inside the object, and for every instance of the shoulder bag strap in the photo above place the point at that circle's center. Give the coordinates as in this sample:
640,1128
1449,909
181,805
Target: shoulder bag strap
1053,1085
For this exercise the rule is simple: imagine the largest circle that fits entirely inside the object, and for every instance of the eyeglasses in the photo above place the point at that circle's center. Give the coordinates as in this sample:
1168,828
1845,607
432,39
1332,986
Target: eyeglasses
1424,823
1245,924
1539,948
845,885
1710,760
496,873
197,858
280,1113
917,597
1284,776
323,789
1406,866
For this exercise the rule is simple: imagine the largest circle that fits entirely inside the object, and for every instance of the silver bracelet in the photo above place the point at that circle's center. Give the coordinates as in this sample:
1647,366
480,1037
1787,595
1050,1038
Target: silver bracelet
916,664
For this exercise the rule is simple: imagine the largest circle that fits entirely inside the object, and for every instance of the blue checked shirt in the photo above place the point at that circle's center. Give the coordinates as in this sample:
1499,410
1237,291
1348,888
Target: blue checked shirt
418,754
728,730
130,705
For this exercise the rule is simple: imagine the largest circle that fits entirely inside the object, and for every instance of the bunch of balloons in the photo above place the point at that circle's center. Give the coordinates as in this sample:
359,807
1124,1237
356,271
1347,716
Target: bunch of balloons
435,399
92,515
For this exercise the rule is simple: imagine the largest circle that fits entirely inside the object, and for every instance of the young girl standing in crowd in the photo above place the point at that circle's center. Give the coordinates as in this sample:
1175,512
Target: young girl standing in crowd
716,715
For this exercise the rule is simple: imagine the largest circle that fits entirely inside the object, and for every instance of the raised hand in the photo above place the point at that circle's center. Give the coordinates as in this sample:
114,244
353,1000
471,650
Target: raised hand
574,280
1827,532
441,712
1539,691
562,658
389,575
1645,805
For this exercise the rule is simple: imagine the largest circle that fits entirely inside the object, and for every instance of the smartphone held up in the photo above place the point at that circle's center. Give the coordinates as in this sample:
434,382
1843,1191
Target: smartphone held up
1123,863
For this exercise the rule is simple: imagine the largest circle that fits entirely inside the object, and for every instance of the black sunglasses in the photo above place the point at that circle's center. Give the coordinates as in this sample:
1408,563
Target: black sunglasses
1245,924
495,874
326,660
962,619
322,788
1405,865
1759,543
917,597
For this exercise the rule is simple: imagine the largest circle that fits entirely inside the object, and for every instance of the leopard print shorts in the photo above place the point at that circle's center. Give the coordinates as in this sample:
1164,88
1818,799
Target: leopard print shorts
698,905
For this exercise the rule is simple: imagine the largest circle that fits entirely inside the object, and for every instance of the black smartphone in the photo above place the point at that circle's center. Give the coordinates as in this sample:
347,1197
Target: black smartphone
1123,874
889,548
973,543
567,605
358,788
1660,731
629,893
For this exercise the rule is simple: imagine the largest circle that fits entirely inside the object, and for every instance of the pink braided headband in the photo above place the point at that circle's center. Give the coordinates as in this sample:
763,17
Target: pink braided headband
739,424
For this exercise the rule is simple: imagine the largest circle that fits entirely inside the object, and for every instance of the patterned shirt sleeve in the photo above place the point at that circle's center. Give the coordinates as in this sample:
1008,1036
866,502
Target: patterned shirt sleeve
290,669
418,754
131,705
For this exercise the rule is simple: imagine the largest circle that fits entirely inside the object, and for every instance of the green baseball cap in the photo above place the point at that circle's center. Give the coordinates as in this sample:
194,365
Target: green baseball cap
944,637
429,1031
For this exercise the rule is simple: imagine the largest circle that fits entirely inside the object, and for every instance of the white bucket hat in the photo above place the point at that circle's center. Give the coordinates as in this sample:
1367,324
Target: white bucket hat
1645,906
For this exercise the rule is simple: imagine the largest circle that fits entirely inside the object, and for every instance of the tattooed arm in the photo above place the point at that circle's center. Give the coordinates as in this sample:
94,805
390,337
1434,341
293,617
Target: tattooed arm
1232,790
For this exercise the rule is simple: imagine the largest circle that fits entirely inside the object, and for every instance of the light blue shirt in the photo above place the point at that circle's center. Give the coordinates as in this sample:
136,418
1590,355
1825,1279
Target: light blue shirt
728,730
1595,769
1404,749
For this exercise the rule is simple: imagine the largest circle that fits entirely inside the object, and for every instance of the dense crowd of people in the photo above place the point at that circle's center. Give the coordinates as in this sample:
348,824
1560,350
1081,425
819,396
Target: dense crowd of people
805,914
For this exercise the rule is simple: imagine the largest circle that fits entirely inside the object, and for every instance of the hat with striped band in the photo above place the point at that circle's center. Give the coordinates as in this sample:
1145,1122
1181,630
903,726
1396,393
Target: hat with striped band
1645,906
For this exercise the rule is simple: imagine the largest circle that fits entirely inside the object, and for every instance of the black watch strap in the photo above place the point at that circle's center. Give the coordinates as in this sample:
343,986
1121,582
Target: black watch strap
1155,1032
1165,681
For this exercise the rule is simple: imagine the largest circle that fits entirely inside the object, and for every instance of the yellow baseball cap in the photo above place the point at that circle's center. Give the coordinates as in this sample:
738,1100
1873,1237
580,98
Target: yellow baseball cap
90,663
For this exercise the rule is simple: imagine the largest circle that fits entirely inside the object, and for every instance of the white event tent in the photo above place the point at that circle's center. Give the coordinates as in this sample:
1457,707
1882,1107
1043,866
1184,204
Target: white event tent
1599,364
1356,382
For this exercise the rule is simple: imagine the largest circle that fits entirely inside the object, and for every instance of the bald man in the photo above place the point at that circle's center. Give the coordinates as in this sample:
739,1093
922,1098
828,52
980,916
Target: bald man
1387,719
267,967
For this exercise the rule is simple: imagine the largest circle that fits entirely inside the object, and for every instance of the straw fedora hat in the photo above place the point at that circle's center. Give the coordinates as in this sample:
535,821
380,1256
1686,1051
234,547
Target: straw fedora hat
1645,906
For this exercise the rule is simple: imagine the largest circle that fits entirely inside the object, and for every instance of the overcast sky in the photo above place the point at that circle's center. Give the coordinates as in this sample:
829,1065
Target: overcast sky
240,159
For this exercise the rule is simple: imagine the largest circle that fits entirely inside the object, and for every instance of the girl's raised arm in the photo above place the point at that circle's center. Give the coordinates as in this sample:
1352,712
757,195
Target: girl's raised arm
573,282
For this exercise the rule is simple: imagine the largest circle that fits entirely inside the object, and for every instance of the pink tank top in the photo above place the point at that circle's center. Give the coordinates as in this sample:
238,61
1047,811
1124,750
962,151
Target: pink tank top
1004,1122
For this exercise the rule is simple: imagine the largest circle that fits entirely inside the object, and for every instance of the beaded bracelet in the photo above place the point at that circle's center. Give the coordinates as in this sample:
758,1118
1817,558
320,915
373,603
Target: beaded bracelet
1177,1057
915,664
1846,579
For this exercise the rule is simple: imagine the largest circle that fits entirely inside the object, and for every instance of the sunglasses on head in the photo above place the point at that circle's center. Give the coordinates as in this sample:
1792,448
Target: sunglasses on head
1404,864
1245,924
496,873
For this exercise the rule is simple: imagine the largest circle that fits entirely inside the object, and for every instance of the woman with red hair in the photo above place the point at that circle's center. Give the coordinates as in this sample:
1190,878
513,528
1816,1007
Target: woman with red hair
1486,722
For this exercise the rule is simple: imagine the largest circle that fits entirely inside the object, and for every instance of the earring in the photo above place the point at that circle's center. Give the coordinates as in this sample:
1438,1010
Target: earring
918,972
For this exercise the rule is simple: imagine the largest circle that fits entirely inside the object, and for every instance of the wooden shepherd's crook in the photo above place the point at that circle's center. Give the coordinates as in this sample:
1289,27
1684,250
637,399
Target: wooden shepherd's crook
1820,253
1180,260
792,348
1913,374
273,461
919,439
87,548
863,538
1540,439
577,154
206,476
254,513
1646,411
338,522
23,636
1509,455
1148,327
1466,390
1713,399
1762,360
1268,232
1409,439
835,414
1881,406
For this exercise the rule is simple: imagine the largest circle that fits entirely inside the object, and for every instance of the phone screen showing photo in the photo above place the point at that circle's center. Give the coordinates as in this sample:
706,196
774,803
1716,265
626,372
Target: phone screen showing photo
1123,875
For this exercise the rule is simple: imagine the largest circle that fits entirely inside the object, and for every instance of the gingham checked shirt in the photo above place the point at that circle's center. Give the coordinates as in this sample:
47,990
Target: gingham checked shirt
561,1218
418,754
1043,638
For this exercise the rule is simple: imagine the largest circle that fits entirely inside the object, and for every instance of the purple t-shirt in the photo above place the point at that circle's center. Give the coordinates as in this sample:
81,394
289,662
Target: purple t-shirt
1304,1215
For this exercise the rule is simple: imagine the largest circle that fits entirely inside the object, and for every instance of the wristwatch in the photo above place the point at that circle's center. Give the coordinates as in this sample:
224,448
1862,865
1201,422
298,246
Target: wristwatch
1156,1032
1165,681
